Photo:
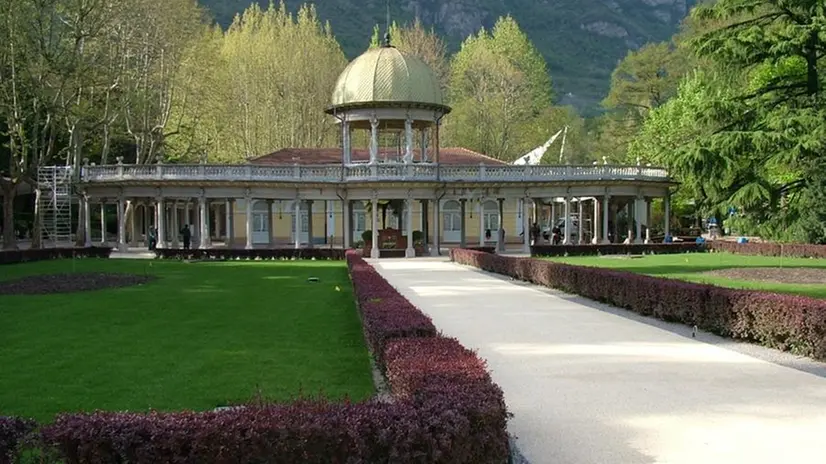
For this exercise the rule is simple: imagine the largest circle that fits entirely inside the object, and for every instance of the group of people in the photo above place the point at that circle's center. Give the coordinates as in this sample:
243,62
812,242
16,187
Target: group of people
186,235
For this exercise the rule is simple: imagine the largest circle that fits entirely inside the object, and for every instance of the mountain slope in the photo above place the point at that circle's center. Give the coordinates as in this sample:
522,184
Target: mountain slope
582,40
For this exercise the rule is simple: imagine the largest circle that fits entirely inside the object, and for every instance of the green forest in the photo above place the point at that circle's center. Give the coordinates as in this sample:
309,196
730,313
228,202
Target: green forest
732,104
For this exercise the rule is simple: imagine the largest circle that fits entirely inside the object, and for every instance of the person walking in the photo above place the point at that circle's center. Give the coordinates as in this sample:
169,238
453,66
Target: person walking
186,233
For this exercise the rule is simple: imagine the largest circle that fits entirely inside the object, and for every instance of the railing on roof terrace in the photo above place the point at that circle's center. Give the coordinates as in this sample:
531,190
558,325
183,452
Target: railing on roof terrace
368,173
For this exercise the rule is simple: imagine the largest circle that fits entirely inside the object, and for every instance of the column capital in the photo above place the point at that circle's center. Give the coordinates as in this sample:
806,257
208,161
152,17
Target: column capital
270,201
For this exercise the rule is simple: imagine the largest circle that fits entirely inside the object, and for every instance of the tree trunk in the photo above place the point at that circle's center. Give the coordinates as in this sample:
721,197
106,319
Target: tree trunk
9,239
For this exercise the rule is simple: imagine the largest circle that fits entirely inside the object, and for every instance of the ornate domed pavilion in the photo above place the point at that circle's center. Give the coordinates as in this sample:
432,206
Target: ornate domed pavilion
275,199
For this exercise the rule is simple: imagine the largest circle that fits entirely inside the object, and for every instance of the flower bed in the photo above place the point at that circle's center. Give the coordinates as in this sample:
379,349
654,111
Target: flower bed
254,254
445,409
42,254
615,249
786,322
770,249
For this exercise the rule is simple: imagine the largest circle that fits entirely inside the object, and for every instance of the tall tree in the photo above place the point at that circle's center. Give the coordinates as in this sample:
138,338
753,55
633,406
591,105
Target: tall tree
499,86
759,116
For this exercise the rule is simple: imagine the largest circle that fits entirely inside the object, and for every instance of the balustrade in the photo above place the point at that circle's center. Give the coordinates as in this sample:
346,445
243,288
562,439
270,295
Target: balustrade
367,172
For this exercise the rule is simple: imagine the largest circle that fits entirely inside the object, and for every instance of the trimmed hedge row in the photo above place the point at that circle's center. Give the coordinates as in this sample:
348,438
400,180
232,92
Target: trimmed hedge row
43,254
615,249
254,254
786,322
445,409
791,250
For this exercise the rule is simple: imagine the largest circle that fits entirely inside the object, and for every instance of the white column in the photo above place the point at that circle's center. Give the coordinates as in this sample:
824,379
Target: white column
596,219
481,222
87,222
176,226
580,220
346,223
133,223
374,250
345,142
638,214
667,214
248,200
206,217
103,222
121,224
423,154
410,252
200,213
462,223
437,228
526,226
408,140
270,227
566,235
230,213
309,223
374,140
606,209
297,227
159,211
500,233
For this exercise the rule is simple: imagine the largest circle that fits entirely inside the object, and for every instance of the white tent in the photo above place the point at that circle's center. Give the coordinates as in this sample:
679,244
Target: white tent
535,156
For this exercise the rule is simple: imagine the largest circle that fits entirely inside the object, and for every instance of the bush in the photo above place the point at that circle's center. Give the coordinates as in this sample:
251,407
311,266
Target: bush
615,249
770,249
385,314
14,433
367,236
786,322
42,254
254,254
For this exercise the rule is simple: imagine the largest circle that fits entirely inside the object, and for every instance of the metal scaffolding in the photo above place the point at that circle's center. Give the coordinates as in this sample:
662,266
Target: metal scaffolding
56,199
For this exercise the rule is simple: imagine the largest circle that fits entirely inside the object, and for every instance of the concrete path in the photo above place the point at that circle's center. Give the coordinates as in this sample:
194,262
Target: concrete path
592,384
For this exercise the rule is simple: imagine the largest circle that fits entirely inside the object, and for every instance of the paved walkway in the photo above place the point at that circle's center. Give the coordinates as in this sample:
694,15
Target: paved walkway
591,384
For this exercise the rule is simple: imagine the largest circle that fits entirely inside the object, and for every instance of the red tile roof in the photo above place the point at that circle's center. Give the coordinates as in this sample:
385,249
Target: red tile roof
333,156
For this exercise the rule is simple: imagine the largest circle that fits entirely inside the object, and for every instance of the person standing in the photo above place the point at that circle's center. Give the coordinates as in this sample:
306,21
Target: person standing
187,236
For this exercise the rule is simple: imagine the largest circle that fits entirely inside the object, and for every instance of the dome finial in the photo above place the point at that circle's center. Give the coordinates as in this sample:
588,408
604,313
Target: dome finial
387,26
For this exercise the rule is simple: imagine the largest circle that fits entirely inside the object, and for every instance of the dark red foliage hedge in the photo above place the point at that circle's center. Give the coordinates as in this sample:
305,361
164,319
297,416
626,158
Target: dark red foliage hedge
791,250
615,249
787,322
14,433
446,410
42,254
254,254
385,314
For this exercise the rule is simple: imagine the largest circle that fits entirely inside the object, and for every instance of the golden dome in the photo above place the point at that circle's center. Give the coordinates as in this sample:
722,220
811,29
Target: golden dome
386,76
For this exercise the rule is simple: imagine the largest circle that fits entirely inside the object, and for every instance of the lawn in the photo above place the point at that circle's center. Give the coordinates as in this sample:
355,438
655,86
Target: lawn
199,336
692,266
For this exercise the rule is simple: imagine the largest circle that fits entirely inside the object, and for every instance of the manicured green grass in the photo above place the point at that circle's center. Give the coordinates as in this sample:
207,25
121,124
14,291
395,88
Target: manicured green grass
200,336
691,266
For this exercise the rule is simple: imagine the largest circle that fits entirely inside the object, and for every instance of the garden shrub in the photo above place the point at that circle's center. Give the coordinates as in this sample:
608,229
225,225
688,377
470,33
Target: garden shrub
445,410
791,250
43,254
14,433
615,249
786,322
254,254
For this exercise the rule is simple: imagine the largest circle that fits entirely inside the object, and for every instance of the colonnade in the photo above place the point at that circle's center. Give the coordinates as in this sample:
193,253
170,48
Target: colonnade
167,214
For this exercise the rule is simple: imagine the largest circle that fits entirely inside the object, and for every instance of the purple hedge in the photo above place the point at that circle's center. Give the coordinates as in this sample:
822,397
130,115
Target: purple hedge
445,410
42,254
791,250
14,433
385,313
615,249
786,322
